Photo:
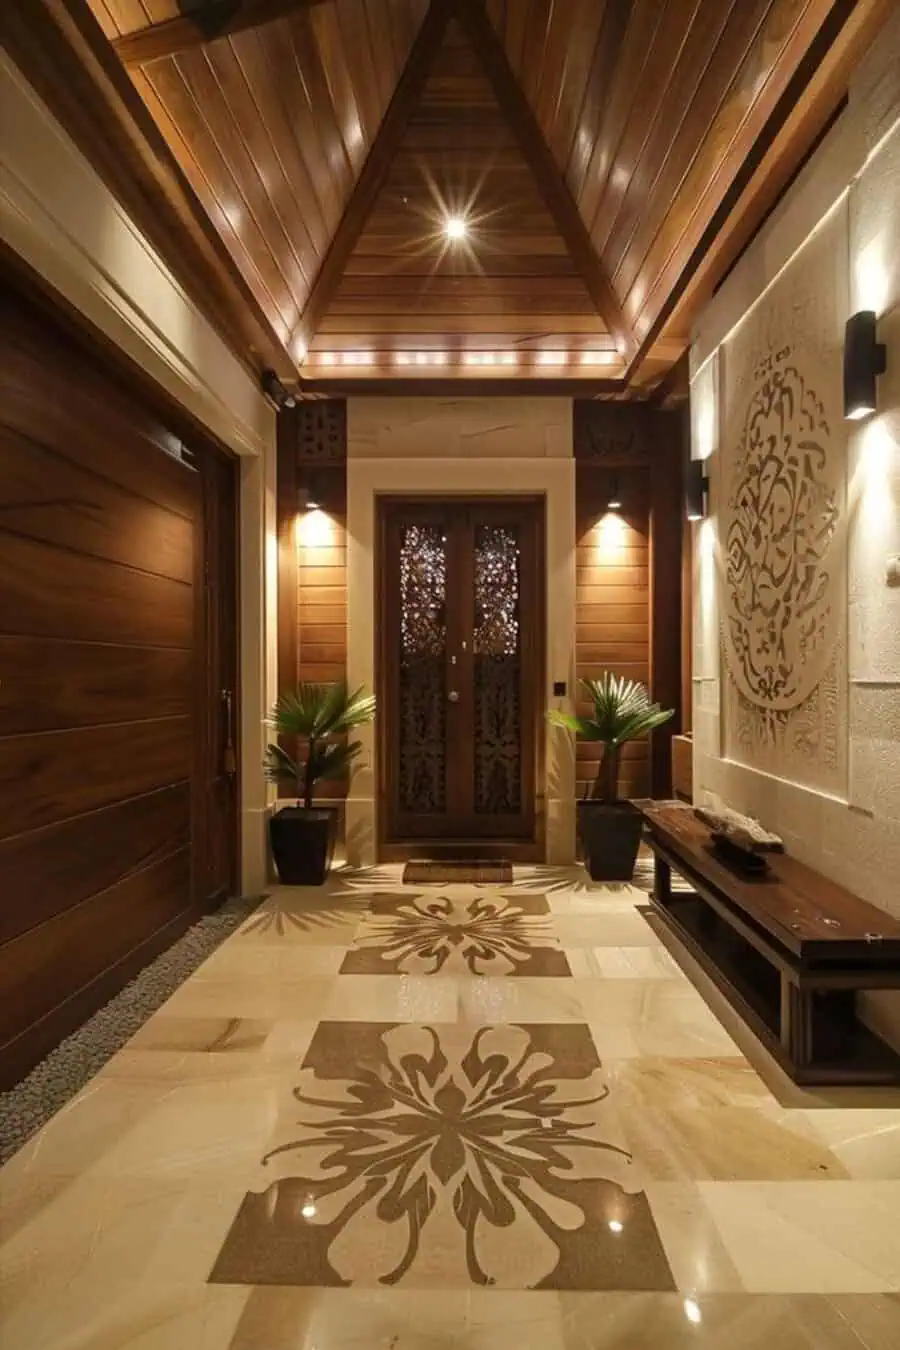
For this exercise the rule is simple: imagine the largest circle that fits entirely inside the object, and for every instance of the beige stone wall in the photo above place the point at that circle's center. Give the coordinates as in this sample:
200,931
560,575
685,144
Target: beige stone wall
56,214
463,447
846,824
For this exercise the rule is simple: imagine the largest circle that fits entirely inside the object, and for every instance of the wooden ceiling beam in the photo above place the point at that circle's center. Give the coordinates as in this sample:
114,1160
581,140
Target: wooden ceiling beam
375,170
173,36
61,50
513,102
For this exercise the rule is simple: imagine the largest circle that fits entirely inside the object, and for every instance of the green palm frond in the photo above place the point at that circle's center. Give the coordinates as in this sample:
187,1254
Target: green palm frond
319,717
622,711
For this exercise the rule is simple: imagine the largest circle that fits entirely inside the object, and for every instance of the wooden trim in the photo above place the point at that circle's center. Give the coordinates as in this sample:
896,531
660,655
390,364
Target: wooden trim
173,36
62,52
286,514
475,21
376,167
666,525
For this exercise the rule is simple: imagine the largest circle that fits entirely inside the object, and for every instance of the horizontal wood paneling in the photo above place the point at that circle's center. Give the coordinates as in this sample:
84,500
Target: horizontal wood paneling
59,503
103,725
47,685
61,865
612,620
44,965
58,774
88,598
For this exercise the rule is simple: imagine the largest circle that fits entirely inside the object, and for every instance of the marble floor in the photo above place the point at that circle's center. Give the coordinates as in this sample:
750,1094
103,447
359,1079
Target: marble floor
408,1118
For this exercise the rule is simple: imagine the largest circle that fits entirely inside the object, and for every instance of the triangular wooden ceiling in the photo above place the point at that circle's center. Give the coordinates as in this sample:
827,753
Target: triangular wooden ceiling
611,157
508,296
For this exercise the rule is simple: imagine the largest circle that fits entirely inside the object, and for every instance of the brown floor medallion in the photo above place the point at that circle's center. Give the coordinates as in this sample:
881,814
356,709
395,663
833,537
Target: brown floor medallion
447,1157
485,934
481,872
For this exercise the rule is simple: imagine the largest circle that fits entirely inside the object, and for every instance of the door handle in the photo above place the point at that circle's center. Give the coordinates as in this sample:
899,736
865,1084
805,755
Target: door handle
453,696
229,758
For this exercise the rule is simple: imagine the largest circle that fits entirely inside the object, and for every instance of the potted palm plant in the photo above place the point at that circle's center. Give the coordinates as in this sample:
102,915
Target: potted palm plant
318,717
611,828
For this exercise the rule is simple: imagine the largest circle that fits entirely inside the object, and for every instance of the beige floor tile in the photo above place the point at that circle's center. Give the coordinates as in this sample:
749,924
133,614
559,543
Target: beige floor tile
639,1002
622,963
392,998
527,999
625,929
875,1321
658,1084
711,1322
697,1255
866,1141
800,1237
727,1143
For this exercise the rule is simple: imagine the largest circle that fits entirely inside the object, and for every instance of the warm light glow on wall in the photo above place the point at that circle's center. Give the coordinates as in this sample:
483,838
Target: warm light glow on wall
873,487
871,277
315,529
610,537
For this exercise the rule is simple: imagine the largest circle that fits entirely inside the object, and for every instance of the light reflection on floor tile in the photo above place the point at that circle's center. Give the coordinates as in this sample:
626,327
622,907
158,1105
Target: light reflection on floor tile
775,1210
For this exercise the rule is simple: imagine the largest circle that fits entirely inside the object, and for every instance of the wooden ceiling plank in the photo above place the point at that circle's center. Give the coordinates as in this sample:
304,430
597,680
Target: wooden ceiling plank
804,107
173,36
549,180
378,162
621,24
686,41
62,51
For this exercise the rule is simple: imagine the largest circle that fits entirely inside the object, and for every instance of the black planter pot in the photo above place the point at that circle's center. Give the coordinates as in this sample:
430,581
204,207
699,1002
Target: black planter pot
303,844
610,839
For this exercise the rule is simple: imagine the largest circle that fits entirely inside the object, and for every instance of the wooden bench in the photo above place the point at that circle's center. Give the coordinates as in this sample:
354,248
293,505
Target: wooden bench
790,950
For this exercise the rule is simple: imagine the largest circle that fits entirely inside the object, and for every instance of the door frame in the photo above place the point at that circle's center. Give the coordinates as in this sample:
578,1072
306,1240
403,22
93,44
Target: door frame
392,848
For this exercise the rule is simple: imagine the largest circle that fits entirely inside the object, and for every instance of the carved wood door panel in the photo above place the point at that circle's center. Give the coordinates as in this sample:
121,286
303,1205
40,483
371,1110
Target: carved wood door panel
460,672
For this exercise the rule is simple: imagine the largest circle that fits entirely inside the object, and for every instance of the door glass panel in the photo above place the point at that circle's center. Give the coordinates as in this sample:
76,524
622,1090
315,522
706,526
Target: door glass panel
497,671
423,666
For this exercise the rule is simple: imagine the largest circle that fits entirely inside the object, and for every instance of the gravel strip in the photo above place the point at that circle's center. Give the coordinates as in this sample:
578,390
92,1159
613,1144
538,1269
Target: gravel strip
66,1070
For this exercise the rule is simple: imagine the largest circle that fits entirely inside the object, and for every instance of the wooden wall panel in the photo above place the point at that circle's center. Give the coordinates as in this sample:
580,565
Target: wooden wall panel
105,723
612,620
68,952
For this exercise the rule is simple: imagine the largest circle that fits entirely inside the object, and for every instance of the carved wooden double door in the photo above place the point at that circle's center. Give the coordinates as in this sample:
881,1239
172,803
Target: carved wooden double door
461,638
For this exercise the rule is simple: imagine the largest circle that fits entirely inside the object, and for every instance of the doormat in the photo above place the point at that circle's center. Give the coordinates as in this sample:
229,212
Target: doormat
467,871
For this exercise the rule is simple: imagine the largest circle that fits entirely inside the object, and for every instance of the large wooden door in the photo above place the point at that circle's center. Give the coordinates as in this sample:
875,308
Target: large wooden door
461,670
117,639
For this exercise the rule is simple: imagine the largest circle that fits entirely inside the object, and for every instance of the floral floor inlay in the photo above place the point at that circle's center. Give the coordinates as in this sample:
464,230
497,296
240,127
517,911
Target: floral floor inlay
448,1156
488,933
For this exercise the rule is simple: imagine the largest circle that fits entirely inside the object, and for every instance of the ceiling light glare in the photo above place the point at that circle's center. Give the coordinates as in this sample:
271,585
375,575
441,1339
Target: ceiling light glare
455,228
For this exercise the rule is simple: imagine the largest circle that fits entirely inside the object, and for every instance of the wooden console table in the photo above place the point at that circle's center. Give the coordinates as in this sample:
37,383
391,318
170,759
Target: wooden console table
789,950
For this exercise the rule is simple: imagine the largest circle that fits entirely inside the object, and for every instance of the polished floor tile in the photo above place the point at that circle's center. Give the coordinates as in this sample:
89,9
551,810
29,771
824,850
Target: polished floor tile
504,1117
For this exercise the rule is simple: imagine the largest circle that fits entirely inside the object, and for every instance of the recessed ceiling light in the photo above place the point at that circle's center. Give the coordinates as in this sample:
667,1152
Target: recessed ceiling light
455,227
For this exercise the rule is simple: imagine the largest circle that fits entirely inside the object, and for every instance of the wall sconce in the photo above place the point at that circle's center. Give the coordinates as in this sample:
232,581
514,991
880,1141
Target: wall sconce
865,358
615,497
308,498
275,390
696,490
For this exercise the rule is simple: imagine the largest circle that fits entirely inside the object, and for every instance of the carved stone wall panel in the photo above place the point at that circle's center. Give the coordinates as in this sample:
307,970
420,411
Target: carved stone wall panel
321,431
783,522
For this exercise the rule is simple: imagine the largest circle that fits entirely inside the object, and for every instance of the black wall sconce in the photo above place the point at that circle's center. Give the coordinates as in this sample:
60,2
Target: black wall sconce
275,390
308,499
865,358
696,490
615,496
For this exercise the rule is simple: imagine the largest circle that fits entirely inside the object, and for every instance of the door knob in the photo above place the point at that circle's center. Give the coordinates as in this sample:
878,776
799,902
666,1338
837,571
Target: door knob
453,696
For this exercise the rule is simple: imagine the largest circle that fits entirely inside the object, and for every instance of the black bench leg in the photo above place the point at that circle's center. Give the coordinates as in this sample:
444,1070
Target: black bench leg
796,1022
662,880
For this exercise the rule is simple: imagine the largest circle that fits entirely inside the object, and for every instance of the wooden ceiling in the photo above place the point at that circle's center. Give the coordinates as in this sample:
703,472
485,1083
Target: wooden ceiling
601,152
